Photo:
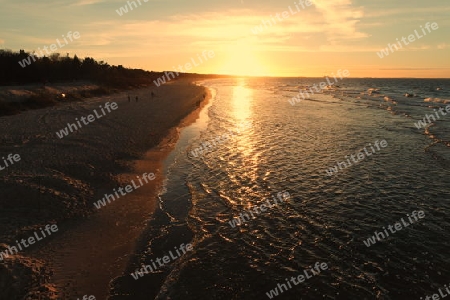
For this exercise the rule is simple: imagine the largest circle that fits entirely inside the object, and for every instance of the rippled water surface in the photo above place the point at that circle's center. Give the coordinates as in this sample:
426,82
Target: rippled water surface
261,145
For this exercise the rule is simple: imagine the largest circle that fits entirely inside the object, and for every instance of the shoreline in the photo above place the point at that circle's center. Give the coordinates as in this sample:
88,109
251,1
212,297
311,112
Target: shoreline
69,174
162,234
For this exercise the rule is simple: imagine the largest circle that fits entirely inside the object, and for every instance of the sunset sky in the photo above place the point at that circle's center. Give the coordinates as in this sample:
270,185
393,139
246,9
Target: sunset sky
315,41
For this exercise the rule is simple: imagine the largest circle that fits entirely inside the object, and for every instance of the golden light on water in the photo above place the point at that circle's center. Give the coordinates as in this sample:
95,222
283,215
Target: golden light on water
242,103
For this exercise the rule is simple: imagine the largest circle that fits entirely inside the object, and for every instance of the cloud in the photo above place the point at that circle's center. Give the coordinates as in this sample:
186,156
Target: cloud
308,31
418,48
443,46
340,19
2,42
86,2
197,32
402,69
409,11
347,48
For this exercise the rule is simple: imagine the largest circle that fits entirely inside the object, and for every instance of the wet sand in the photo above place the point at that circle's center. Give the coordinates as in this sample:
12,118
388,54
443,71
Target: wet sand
57,181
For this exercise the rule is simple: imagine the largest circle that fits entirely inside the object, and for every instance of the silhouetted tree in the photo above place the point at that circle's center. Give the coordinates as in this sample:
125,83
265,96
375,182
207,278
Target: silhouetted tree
33,69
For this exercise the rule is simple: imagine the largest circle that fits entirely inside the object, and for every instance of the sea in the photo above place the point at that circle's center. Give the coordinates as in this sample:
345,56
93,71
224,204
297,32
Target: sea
251,145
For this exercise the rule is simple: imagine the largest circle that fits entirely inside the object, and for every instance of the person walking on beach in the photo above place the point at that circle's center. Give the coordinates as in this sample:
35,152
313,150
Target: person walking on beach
153,94
136,98
129,99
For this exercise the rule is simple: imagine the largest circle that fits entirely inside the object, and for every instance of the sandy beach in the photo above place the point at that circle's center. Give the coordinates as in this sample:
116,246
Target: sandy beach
57,180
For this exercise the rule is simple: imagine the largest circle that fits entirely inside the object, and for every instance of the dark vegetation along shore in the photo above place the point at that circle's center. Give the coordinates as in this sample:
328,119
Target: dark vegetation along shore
57,180
38,84
55,79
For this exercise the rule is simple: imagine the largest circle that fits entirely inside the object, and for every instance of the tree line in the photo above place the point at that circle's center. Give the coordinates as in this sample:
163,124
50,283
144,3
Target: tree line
56,68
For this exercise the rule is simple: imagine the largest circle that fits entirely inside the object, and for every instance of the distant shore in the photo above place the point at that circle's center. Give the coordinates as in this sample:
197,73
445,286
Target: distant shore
57,181
18,98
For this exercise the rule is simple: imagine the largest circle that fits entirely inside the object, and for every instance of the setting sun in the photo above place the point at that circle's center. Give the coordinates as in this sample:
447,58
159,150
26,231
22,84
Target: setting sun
242,59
